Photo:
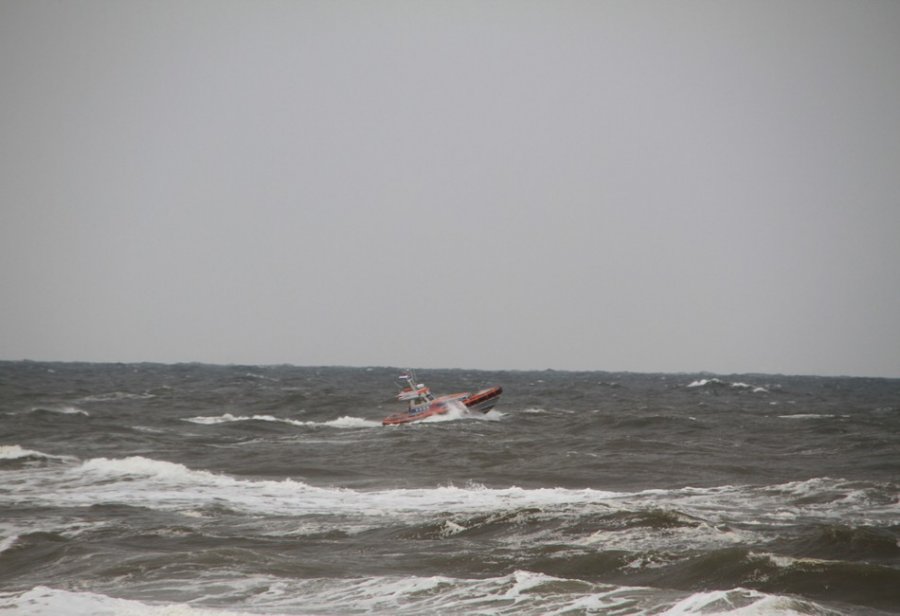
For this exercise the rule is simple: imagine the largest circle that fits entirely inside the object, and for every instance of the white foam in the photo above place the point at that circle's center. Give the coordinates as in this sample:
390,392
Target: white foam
741,602
715,510
115,396
455,410
492,415
71,410
720,383
451,528
45,601
786,562
710,513
349,422
341,422
262,377
523,581
7,543
657,547
147,467
62,410
519,593
13,452
140,481
229,418
705,382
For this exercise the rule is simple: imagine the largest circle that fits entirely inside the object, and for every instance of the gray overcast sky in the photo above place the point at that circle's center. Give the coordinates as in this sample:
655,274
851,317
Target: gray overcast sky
643,186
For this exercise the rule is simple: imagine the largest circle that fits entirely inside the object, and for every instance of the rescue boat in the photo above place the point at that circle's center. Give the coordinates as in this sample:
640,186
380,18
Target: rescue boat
424,404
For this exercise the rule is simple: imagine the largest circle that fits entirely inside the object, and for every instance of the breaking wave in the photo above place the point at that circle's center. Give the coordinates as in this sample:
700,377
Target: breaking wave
157,484
521,592
812,416
715,383
117,396
15,455
12,452
60,410
340,422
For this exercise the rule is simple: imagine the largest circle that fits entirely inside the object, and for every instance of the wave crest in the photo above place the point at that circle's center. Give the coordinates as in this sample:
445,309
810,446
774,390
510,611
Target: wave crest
341,422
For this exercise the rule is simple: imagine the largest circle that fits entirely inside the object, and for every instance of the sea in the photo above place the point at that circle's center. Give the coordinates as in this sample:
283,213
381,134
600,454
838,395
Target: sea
192,489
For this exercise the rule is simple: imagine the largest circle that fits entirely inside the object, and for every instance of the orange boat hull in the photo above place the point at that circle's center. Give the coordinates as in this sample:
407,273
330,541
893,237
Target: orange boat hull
437,408
483,401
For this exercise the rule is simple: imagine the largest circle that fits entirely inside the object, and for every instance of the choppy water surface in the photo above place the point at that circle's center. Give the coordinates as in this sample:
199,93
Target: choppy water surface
154,489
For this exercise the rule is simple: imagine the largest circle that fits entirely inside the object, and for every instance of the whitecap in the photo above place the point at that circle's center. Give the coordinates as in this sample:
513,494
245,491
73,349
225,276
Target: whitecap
158,470
455,410
340,422
349,422
451,528
705,382
157,484
492,415
62,410
520,593
7,543
11,452
116,396
15,452
46,601
229,418
742,601
785,562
